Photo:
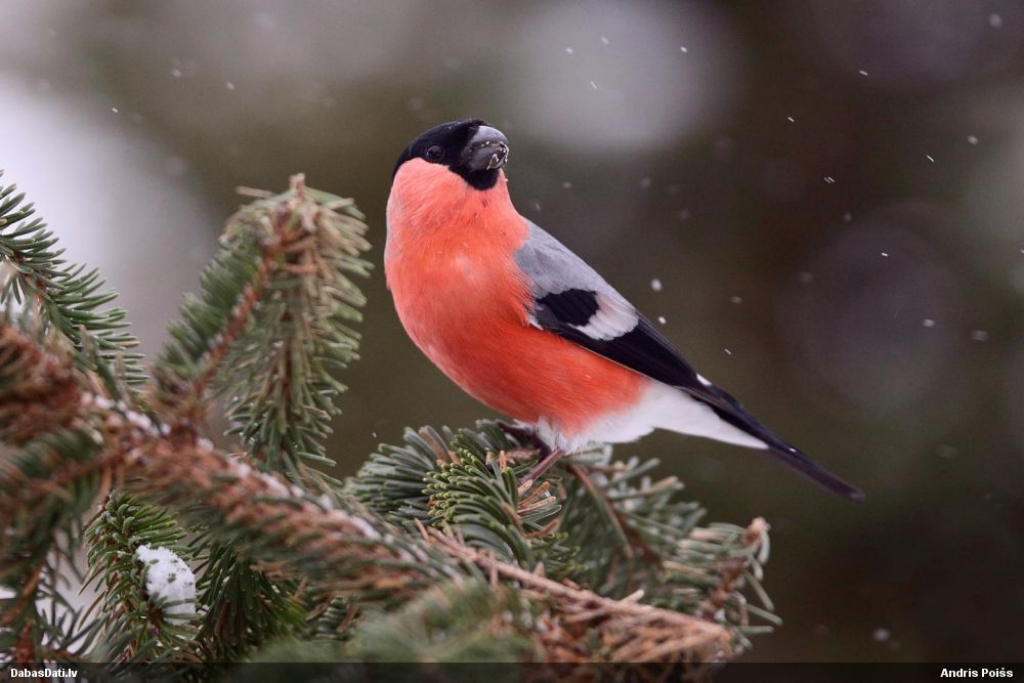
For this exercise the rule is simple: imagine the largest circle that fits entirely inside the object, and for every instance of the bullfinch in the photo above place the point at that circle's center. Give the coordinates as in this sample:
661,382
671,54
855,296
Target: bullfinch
526,327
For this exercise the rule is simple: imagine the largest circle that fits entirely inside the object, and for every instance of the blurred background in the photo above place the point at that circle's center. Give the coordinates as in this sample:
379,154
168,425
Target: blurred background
821,203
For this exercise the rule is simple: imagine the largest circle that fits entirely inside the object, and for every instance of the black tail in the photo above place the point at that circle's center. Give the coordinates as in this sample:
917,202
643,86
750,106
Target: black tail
730,410
791,457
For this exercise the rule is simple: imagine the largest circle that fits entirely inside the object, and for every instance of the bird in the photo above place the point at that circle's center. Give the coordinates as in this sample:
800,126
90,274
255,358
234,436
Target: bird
528,328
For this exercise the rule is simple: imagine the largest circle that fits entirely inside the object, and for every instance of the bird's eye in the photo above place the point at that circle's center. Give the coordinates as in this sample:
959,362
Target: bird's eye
435,152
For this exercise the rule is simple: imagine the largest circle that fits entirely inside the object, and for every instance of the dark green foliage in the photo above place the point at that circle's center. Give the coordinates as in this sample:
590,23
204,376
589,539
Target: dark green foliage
626,560
204,318
392,483
470,492
270,328
66,297
273,324
42,531
133,629
246,607
615,531
49,614
468,621
45,509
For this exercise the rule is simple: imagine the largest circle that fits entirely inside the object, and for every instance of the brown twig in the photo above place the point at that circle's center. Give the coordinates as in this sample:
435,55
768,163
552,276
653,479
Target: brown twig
628,630
40,392
631,540
275,519
283,237
734,569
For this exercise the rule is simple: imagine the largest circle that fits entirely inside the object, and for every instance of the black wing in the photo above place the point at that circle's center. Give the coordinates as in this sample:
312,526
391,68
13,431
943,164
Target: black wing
644,349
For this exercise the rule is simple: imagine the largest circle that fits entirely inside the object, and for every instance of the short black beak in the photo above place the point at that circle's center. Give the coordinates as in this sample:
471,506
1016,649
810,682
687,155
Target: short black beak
487,150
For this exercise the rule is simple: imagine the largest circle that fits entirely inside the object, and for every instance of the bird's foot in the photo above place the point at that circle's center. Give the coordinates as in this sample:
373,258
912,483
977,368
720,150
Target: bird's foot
553,455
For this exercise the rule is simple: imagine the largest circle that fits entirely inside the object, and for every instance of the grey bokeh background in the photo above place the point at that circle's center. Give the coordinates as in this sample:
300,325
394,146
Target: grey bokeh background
822,200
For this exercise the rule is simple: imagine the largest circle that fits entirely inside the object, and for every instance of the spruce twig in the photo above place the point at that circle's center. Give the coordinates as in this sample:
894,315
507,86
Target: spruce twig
277,303
628,630
754,537
37,387
67,297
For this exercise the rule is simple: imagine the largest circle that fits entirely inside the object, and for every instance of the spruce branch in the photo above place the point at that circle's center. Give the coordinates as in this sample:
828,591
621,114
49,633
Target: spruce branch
292,532
47,466
38,388
68,296
752,552
287,531
39,622
356,554
466,481
627,630
277,303
133,627
78,438
614,530
245,606
56,461
470,620
52,468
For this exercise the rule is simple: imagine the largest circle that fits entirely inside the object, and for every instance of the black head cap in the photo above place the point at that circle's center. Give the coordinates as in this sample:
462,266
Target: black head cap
469,148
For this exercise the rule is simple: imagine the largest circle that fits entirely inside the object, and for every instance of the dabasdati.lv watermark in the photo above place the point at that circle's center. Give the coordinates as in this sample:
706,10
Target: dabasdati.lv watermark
24,672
